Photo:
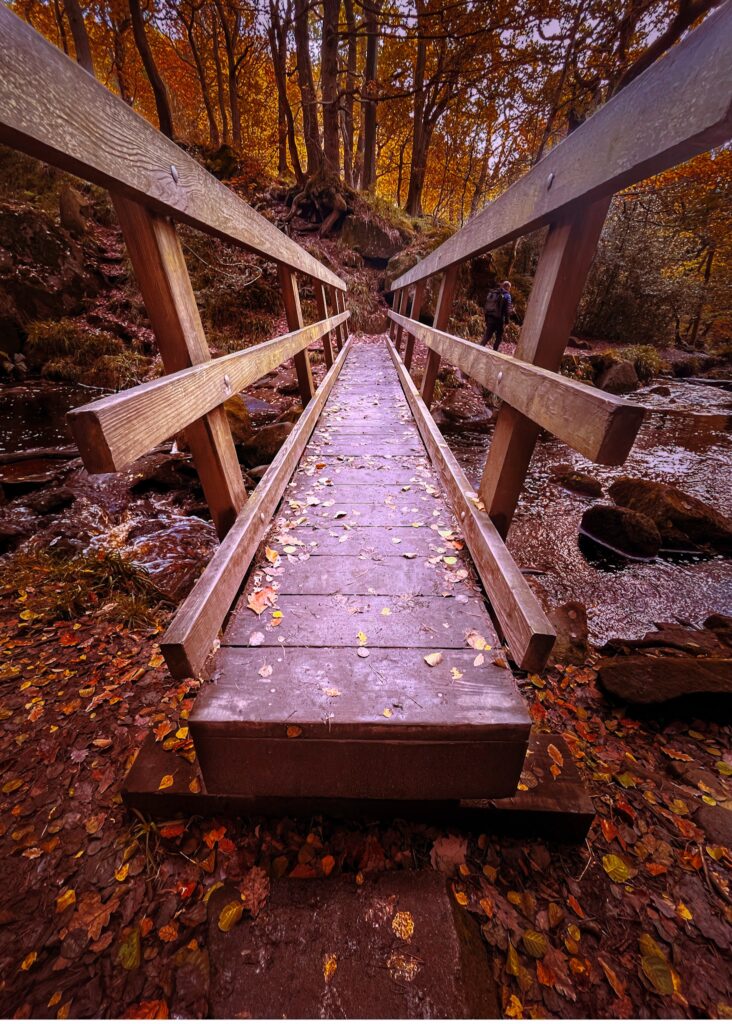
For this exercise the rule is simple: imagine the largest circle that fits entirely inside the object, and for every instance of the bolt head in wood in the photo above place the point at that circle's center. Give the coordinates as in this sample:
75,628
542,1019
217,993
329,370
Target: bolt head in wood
550,181
174,173
227,382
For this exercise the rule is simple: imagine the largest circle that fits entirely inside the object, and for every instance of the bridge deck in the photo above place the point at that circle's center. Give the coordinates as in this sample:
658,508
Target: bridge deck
327,692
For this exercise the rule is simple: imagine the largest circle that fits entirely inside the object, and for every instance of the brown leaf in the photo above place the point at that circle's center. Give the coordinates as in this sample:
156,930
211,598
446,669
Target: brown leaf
255,890
92,914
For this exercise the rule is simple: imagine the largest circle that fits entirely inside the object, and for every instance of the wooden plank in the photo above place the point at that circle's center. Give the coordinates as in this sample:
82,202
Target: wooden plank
528,631
378,574
53,109
432,624
484,702
563,266
368,510
161,272
293,312
599,426
445,299
401,307
414,314
680,106
558,808
321,304
340,305
117,429
351,541
189,638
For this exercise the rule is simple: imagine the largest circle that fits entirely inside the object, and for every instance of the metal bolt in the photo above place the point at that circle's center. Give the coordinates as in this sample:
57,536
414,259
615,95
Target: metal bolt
227,382
174,173
500,377
550,181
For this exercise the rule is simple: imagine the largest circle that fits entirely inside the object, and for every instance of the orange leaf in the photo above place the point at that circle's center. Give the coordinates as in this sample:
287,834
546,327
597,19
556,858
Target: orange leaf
149,1009
555,755
613,980
260,599
576,907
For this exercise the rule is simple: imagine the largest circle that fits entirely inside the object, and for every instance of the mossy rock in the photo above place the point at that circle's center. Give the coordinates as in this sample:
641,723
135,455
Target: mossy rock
680,517
239,419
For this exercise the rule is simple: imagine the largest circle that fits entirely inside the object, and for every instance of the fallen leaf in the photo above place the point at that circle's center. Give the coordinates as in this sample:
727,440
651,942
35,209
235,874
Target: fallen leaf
476,641
535,944
613,980
128,954
433,659
271,555
230,915
166,782
66,899
330,965
293,731
617,868
262,598
265,671
387,712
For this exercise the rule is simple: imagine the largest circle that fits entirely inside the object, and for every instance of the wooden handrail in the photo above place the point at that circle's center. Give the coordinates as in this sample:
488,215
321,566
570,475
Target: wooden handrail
54,110
599,426
679,107
188,640
114,431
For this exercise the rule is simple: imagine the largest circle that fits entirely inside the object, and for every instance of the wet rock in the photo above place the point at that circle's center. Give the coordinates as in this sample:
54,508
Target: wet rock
169,473
55,500
288,385
570,623
643,680
619,379
260,411
11,537
574,480
628,532
71,211
717,823
239,419
681,519
477,424
661,389
264,444
580,343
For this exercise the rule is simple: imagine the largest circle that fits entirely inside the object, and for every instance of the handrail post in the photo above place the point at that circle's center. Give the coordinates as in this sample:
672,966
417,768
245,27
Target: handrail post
414,314
563,266
401,308
341,308
293,312
442,317
396,299
321,303
160,268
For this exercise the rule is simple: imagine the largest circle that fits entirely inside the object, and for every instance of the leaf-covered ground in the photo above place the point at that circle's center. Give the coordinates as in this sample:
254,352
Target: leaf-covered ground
104,914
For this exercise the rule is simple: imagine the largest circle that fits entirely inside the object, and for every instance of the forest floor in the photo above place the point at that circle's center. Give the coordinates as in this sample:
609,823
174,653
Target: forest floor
106,914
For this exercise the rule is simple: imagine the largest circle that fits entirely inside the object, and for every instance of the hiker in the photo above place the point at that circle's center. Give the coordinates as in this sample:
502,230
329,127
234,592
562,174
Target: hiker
498,306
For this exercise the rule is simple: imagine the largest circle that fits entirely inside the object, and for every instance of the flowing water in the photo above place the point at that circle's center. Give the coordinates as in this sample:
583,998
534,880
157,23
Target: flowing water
685,441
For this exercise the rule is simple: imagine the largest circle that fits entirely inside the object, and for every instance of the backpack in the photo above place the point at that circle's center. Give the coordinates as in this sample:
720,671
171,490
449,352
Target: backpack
494,304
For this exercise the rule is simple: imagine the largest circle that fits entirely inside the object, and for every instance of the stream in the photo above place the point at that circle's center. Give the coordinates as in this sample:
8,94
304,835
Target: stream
685,441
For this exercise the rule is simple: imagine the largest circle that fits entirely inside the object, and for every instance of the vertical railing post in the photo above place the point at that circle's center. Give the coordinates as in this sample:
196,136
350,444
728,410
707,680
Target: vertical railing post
160,268
414,314
401,308
563,266
321,303
396,299
442,318
293,312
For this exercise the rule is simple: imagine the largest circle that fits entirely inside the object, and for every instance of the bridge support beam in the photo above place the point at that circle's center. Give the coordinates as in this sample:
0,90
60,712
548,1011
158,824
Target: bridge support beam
161,272
293,312
442,318
560,277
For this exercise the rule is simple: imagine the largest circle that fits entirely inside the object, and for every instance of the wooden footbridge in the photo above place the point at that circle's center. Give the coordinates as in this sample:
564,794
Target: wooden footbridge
358,623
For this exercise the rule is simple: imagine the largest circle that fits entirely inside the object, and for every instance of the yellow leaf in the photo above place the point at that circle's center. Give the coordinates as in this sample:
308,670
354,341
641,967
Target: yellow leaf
514,1008
122,872
387,712
64,1011
535,944
361,637
403,925
683,911
386,611
476,641
10,787
65,899
330,966
55,998
210,891
462,898
555,755
513,964
29,961
456,674
194,786
166,782
272,555
230,915
433,659
449,560
332,692
658,972
617,868
128,954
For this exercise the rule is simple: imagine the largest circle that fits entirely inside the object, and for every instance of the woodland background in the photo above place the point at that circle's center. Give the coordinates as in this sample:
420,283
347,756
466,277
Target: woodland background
431,109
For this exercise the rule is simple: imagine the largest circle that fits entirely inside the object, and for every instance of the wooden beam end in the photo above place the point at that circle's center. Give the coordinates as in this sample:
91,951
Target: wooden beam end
94,449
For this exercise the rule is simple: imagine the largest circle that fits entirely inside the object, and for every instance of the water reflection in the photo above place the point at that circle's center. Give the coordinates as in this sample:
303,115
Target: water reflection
688,445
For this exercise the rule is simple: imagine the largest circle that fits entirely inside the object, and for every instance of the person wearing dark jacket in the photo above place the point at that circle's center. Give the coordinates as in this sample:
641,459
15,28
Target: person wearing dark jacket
498,305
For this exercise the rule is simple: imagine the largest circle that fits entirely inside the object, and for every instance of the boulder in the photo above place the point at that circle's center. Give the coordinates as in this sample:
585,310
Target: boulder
570,623
574,480
681,519
240,420
11,536
717,823
661,389
624,531
163,474
71,211
580,343
54,500
619,379
264,443
371,238
642,680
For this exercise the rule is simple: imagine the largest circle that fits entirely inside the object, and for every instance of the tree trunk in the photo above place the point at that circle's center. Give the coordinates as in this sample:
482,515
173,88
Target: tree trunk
59,16
230,38
329,87
79,35
370,91
419,131
220,90
119,61
160,92
277,32
696,320
214,136
348,99
311,130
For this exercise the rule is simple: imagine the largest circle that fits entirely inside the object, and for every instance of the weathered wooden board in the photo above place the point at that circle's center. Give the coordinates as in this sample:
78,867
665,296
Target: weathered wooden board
679,107
114,431
188,640
331,692
339,539
333,574
528,631
53,109
597,425
363,512
434,624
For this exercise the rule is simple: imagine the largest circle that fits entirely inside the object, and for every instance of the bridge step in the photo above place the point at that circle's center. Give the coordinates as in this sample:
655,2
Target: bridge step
331,696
